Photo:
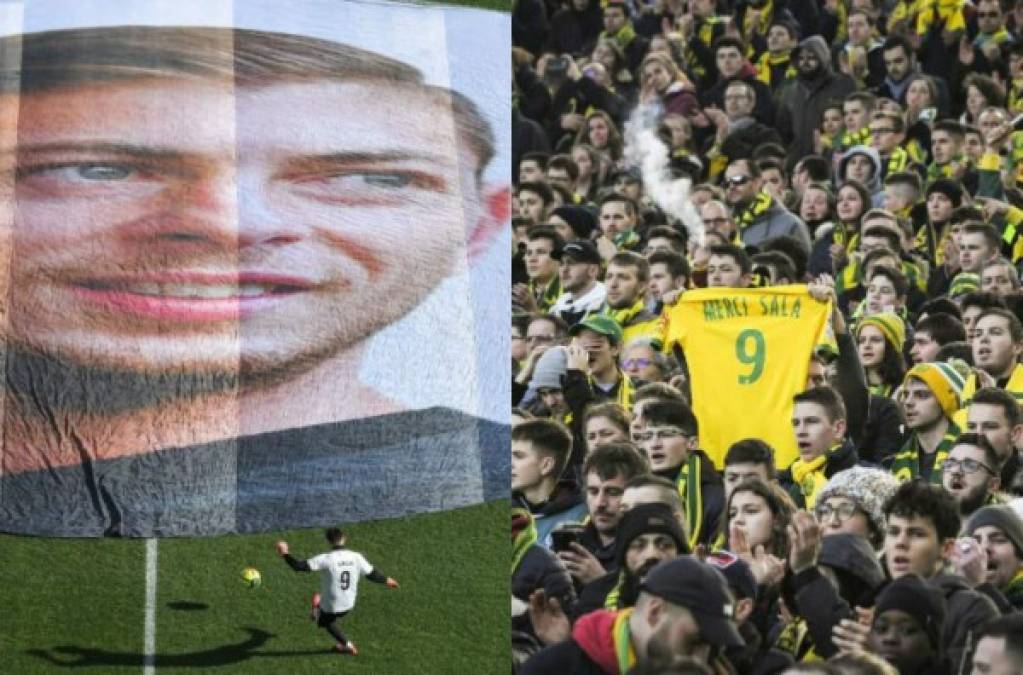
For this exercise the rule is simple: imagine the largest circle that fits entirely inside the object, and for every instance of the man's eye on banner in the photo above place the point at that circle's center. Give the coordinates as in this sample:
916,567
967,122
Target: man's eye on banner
239,264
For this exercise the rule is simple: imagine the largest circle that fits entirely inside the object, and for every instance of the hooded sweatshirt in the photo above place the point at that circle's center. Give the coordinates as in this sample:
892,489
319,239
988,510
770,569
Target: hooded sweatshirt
874,185
817,601
802,104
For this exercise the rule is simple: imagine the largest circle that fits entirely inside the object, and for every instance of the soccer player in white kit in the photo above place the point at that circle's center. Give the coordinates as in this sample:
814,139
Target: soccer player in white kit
340,570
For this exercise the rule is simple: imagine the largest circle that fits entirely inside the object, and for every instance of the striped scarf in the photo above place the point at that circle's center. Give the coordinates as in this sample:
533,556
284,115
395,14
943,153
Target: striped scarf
850,139
937,171
843,235
546,297
768,63
906,464
897,161
756,208
626,240
623,317
929,242
688,484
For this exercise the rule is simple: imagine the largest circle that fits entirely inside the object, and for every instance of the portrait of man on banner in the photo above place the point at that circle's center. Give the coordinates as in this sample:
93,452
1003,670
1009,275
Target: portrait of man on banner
204,229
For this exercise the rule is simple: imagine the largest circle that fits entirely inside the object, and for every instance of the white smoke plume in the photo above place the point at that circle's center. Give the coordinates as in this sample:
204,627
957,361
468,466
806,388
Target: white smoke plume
644,149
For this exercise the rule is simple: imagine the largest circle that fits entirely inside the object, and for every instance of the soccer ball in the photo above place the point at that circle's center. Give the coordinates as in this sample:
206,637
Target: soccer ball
251,577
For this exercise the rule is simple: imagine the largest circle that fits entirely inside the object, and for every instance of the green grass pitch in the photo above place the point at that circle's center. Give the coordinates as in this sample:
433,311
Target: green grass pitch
78,604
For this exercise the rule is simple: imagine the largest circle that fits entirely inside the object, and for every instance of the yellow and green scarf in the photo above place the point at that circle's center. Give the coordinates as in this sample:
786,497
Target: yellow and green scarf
547,296
757,207
688,484
906,464
809,477
841,235
850,139
898,161
936,171
626,240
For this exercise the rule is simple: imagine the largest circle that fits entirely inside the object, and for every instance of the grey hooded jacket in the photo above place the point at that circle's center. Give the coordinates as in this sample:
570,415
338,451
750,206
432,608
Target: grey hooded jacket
874,185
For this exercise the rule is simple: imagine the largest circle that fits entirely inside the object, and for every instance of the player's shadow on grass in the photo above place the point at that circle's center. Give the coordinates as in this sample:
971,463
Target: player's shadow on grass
71,656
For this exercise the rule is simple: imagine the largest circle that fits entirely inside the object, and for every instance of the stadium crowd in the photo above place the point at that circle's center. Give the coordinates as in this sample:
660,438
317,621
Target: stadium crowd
870,149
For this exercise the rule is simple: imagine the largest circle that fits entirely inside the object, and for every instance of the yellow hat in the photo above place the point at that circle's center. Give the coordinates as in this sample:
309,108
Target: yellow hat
891,326
944,381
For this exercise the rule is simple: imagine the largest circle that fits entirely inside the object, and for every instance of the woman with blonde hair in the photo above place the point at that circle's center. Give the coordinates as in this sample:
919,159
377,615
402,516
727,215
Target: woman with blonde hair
662,81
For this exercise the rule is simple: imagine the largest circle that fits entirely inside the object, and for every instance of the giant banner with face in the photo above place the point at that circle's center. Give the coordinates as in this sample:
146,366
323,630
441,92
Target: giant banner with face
252,258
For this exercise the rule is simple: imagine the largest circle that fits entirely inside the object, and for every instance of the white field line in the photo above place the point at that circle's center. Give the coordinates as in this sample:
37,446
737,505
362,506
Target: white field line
149,641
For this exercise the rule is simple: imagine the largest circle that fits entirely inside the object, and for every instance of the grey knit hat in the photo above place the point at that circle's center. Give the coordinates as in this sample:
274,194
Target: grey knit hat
1004,518
868,488
550,369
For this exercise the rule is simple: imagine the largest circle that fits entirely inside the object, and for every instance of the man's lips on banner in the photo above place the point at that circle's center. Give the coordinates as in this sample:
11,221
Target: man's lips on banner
191,295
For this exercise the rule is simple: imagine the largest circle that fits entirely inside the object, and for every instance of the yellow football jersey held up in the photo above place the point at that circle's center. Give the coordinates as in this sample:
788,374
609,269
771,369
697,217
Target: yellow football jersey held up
748,352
